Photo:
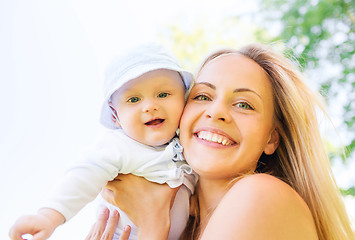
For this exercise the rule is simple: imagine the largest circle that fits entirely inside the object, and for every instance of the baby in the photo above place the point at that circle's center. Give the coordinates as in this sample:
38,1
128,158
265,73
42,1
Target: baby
144,99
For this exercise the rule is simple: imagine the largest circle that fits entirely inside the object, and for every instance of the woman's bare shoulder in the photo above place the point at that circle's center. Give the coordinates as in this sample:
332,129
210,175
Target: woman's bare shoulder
261,184
261,206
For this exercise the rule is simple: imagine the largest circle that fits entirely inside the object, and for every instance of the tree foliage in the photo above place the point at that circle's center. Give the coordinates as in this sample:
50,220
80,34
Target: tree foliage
322,36
194,42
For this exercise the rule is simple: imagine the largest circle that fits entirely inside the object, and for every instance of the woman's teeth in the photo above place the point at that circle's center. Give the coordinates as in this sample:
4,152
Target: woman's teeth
213,137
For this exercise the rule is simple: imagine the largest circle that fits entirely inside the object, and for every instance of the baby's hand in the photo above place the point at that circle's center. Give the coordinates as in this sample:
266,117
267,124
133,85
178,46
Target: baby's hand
40,226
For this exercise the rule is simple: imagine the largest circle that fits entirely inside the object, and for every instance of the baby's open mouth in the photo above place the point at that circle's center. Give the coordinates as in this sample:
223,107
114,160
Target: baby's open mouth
154,122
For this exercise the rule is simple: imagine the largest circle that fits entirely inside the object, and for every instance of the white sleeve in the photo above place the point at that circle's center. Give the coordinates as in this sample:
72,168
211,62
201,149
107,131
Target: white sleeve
85,179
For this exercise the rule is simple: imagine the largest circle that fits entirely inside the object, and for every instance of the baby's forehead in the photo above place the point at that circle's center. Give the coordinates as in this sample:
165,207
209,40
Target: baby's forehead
155,79
160,72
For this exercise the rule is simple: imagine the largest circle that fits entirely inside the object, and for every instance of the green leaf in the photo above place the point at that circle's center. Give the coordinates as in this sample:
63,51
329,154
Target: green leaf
346,192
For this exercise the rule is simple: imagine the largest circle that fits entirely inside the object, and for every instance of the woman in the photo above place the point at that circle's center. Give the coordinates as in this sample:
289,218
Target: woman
250,132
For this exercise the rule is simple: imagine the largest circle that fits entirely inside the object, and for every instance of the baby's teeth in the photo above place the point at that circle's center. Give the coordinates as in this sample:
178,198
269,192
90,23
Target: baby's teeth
224,142
214,138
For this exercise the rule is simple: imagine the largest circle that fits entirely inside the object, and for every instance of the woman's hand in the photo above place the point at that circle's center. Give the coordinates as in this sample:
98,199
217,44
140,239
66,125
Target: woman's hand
147,204
105,227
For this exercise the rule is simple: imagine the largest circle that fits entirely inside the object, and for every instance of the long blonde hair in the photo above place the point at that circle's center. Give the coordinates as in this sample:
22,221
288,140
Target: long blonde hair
301,159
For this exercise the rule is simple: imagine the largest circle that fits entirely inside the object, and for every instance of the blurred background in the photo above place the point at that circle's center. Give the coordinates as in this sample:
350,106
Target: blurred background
52,60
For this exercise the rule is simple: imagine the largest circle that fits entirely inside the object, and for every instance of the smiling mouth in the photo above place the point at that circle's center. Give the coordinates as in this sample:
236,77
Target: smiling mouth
214,138
154,122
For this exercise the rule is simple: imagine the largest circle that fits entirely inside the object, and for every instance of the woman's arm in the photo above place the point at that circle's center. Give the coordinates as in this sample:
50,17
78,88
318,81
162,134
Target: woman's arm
261,207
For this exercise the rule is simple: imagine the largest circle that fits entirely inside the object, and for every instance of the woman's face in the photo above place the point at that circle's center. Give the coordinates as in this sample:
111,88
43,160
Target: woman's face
228,120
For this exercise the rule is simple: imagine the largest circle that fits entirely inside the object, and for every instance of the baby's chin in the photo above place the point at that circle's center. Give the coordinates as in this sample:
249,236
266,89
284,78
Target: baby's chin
160,142
155,142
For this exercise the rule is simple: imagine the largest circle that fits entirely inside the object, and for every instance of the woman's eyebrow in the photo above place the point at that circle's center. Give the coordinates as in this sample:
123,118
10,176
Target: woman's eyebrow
207,84
235,90
246,90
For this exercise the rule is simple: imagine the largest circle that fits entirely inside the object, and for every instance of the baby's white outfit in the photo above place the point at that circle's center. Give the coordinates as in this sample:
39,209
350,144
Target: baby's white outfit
117,153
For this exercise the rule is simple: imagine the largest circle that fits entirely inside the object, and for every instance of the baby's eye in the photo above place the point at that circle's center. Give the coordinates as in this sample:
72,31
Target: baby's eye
244,105
133,99
202,97
163,95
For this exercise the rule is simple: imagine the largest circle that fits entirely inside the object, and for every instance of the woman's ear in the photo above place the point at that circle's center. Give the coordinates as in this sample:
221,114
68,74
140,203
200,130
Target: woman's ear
272,143
114,115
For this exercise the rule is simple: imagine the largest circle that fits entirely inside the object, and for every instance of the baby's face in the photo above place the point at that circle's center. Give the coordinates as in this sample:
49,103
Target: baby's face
150,107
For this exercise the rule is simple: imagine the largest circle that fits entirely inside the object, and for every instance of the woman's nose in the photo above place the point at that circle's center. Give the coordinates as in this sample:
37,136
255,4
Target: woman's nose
218,111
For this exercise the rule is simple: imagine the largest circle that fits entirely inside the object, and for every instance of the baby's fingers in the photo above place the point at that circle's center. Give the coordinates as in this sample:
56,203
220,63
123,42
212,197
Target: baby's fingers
26,226
15,235
40,236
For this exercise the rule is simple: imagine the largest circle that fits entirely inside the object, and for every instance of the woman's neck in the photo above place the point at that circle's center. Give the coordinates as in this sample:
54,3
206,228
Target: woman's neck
210,193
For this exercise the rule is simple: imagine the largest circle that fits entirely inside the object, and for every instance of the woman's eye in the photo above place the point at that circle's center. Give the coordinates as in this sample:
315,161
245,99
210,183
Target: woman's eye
244,105
163,95
202,98
133,99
